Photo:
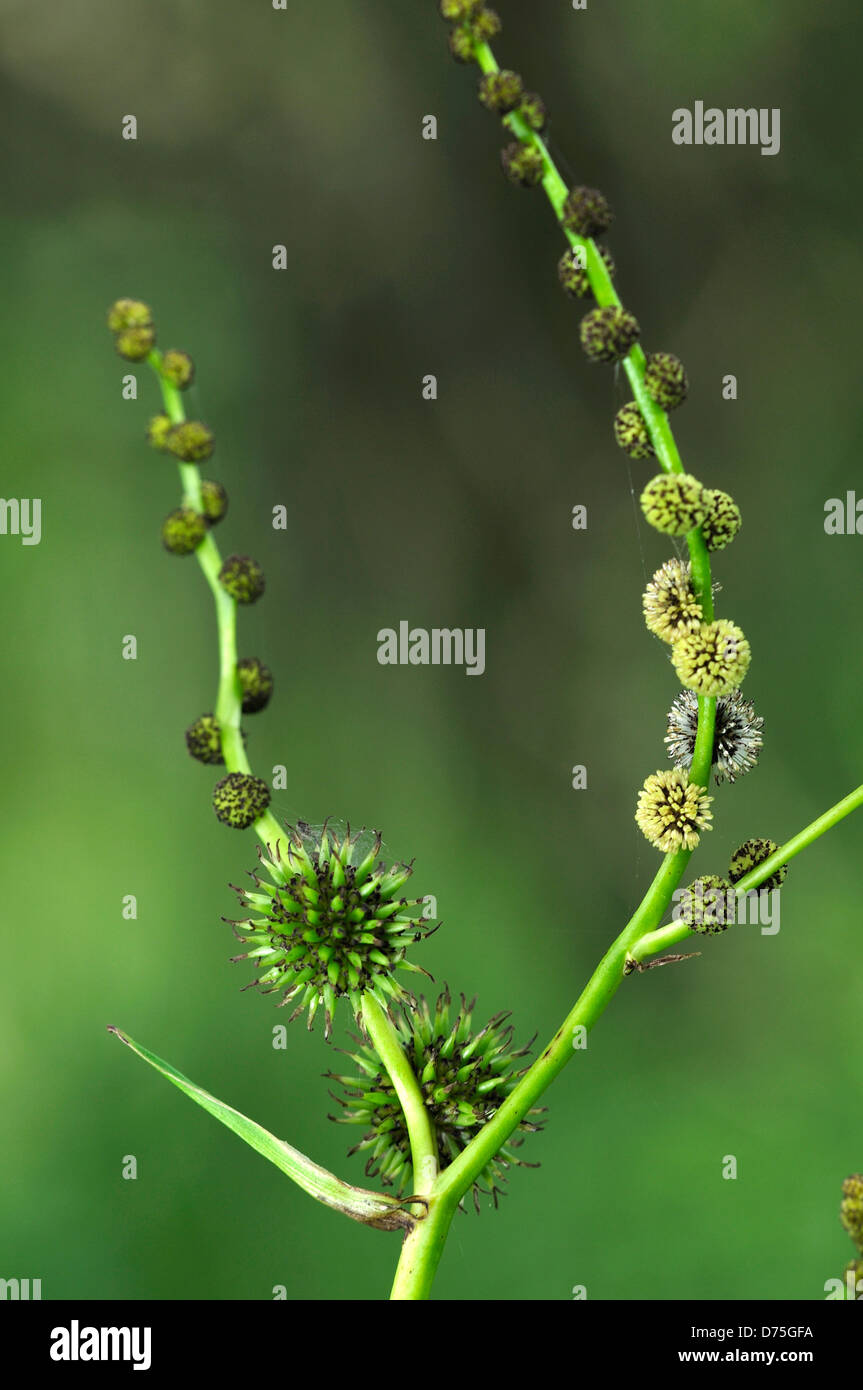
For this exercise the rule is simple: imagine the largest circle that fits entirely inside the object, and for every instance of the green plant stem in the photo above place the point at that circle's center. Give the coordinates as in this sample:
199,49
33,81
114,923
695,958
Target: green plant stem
386,1042
422,1249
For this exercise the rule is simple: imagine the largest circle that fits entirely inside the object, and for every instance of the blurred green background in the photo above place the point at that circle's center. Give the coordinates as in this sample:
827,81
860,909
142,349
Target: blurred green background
407,257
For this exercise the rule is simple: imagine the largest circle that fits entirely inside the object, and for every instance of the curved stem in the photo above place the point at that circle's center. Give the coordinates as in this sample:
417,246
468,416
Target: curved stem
420,1132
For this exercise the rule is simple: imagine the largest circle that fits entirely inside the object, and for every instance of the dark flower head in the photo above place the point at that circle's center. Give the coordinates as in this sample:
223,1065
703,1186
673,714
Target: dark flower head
737,739
749,855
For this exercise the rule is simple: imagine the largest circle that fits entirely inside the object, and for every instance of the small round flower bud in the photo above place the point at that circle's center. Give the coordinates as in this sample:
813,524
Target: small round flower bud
485,23
183,530
670,604
256,682
713,659
586,212
851,1210
572,273
242,578
534,111
458,11
666,380
135,343
608,334
461,45
672,811
704,905
501,91
630,431
737,737
522,164
158,430
723,520
674,503
129,313
214,500
749,855
178,368
204,741
192,441
239,799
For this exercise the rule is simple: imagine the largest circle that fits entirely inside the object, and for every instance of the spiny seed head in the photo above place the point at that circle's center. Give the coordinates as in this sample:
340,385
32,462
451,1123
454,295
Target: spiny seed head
331,923
464,1077
666,380
135,343
178,368
501,91
586,212
461,45
192,441
723,520
672,811
630,431
256,683
737,740
608,334
243,578
183,530
704,904
572,270
214,500
674,503
713,659
749,855
533,110
129,313
458,11
158,430
851,1209
204,741
671,606
485,23
239,799
522,164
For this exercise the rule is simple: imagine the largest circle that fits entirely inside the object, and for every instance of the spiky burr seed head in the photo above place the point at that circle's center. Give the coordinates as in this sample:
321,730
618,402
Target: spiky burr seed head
501,92
666,380
178,368
522,164
572,274
749,855
485,23
723,520
129,313
329,921
464,1077
586,212
214,499
608,334
135,344
534,111
674,503
183,530
630,431
191,442
713,659
158,430
203,740
704,904
256,683
461,45
670,605
239,799
242,578
672,811
737,739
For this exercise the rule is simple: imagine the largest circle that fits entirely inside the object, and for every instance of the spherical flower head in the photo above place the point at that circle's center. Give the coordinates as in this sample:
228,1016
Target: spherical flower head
670,604
178,368
737,739
485,23
191,442
573,275
749,855
256,683
851,1210
608,334
705,905
586,212
712,660
129,313
214,500
631,434
501,92
331,923
458,11
158,430
135,344
672,811
243,578
854,1277
461,45
674,503
723,520
522,164
534,112
239,799
464,1077
666,380
183,530
204,740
